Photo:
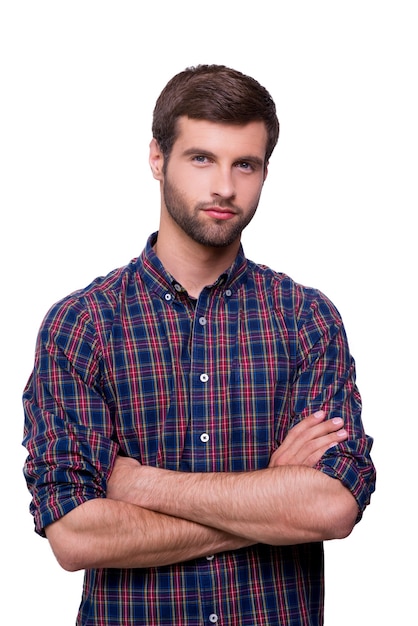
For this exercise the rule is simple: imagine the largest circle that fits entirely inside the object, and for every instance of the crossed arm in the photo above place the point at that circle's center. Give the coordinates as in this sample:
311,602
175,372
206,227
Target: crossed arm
154,517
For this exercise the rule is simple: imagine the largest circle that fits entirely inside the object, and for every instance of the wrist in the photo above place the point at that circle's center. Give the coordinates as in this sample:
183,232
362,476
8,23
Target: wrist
145,486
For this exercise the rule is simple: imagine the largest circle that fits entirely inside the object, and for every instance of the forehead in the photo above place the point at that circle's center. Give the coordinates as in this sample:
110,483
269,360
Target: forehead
219,138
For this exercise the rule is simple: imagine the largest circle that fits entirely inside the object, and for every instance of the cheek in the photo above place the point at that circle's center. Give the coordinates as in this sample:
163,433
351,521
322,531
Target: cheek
250,193
189,180
195,187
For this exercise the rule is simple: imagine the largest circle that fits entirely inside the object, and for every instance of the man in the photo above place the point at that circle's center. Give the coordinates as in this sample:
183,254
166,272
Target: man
192,421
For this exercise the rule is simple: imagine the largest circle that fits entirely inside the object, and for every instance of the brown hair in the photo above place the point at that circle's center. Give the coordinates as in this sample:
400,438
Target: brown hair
214,93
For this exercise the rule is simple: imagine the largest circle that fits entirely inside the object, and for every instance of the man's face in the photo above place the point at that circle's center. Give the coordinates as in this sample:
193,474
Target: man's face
213,179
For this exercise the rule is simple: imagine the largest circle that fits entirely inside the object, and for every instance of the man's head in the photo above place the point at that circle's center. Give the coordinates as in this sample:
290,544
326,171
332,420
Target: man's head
214,93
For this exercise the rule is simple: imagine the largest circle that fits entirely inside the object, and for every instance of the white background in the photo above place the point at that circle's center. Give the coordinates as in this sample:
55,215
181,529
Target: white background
78,84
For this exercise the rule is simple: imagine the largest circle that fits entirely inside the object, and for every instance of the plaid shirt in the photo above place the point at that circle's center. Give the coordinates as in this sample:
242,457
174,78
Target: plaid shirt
130,364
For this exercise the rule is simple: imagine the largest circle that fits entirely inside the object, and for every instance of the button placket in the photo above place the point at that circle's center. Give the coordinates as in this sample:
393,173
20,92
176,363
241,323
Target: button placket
201,378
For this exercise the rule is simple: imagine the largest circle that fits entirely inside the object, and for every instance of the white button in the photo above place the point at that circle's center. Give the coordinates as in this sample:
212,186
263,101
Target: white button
168,297
204,378
178,287
202,321
228,292
210,557
213,618
204,437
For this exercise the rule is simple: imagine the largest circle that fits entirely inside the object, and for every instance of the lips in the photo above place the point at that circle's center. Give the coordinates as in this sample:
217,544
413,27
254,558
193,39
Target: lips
219,213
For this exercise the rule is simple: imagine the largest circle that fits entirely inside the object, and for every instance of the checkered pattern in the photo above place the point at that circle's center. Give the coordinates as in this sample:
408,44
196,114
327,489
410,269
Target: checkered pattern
130,364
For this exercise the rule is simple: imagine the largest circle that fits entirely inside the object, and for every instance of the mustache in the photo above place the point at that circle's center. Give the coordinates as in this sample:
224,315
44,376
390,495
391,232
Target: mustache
222,204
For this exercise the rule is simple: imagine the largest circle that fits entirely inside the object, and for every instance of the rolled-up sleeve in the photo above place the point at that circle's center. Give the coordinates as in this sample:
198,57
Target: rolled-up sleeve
326,379
68,428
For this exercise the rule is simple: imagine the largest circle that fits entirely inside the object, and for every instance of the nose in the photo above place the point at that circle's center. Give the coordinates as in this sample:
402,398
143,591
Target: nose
223,185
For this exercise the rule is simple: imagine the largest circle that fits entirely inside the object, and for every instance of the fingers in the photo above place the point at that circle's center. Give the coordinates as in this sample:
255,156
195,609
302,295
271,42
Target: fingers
315,448
313,427
306,442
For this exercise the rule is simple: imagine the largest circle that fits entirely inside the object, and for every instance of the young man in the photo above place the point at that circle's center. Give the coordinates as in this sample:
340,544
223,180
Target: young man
192,421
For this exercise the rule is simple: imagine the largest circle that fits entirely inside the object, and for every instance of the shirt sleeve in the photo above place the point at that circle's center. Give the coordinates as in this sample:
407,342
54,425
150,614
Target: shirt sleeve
326,379
68,426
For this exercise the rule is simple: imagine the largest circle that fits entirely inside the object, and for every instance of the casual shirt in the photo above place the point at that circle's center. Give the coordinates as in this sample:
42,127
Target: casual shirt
131,365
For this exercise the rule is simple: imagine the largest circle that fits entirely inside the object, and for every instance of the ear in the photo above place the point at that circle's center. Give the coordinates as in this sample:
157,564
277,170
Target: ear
156,160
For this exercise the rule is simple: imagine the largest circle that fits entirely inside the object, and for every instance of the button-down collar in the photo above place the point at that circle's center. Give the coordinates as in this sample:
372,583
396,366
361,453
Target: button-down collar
168,288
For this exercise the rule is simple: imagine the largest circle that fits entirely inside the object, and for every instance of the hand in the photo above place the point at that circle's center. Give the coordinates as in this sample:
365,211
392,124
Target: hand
120,485
306,442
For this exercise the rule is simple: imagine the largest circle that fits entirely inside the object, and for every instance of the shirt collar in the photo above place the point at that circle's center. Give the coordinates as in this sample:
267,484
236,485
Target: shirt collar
160,281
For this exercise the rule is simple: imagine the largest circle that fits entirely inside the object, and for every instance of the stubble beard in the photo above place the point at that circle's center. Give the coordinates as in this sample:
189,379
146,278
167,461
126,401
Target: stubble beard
217,233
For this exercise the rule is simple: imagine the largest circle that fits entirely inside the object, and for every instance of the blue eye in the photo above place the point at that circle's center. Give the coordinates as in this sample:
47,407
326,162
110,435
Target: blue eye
245,165
200,158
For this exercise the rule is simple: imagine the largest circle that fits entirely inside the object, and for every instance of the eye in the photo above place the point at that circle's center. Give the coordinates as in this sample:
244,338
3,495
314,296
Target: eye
246,166
200,158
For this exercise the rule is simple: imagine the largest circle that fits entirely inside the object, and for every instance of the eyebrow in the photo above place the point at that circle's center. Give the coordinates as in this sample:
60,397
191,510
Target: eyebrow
248,159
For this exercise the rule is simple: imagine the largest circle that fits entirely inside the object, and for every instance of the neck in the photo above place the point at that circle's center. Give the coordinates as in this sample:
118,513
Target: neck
193,265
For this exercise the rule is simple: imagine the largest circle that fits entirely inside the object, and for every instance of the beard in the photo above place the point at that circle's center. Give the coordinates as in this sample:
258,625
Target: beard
212,233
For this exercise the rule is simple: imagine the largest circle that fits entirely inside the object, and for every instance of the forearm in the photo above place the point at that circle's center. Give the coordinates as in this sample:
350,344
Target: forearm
279,505
109,533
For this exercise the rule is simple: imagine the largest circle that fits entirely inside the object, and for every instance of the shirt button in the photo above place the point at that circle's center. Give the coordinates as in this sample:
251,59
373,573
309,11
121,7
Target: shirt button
210,557
228,292
204,437
204,378
202,321
178,287
168,297
213,618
